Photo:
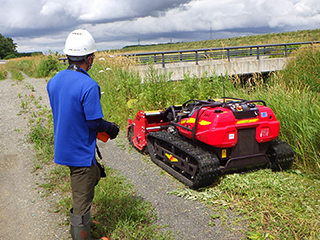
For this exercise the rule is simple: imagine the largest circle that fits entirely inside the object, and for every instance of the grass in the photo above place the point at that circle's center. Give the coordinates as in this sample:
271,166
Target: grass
3,72
276,205
271,38
37,66
121,213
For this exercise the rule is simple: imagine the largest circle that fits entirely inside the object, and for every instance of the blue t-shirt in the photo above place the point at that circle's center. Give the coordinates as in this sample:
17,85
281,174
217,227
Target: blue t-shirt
74,99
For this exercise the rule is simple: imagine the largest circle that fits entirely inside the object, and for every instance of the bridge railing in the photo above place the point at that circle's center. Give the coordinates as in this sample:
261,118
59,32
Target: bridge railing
228,53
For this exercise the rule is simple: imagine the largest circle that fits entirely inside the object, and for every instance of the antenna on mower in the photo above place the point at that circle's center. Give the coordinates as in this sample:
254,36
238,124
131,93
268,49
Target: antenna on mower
223,90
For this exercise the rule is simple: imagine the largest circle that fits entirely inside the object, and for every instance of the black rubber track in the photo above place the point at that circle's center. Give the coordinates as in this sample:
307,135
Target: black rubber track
207,163
281,155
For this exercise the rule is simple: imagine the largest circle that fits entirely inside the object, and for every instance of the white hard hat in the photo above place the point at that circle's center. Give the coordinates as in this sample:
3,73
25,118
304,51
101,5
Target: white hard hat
79,43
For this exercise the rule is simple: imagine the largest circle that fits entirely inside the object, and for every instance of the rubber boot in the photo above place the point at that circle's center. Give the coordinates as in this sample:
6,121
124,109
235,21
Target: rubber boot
80,226
80,233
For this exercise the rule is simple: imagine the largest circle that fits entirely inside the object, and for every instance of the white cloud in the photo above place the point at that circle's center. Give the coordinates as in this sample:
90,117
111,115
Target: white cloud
230,14
116,23
112,9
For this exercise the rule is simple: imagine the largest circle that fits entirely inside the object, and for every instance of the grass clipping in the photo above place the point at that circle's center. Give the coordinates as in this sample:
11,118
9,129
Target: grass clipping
276,205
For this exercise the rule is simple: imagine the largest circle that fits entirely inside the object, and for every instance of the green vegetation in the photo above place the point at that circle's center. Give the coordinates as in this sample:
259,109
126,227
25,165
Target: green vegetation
271,38
13,68
37,67
123,215
7,47
304,71
3,72
47,66
275,205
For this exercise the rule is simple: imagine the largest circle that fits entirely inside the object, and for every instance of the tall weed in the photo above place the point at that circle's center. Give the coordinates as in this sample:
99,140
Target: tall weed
3,72
297,110
304,69
120,88
125,93
36,66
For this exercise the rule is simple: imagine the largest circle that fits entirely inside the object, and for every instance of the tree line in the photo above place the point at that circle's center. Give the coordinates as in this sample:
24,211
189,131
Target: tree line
8,49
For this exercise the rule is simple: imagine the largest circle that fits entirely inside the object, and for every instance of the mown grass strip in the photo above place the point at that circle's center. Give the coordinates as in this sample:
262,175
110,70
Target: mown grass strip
282,205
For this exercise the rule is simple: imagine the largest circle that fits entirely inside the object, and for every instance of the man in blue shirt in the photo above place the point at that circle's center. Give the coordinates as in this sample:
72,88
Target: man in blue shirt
77,116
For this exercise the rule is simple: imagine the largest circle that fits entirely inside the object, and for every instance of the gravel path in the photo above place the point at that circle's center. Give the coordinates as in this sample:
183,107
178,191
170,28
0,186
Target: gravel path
26,214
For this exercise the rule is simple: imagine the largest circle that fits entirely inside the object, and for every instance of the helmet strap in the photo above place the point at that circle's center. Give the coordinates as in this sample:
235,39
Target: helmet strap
87,61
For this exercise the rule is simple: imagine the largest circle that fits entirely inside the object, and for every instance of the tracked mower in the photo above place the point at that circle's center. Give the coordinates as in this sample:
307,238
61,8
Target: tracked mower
200,140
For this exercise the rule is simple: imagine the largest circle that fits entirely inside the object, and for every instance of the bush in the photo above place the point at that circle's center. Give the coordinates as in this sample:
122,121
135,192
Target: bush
35,66
47,66
10,56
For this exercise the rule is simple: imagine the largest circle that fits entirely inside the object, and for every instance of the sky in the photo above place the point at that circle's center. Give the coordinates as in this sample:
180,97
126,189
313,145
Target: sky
43,25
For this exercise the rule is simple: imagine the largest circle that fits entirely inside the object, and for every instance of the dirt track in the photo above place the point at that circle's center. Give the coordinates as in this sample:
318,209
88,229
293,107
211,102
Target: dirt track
25,214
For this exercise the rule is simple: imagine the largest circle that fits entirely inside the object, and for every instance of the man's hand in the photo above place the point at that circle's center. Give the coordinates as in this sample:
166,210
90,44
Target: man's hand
113,132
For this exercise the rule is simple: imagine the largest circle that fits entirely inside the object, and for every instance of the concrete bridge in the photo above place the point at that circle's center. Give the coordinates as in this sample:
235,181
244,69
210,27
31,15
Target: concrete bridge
217,61
236,66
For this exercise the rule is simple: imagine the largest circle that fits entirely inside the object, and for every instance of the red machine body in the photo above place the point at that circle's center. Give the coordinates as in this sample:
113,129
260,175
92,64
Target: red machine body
229,134
217,125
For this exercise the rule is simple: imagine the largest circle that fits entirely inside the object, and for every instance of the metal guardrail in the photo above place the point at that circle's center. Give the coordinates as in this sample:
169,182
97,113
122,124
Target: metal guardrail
196,55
